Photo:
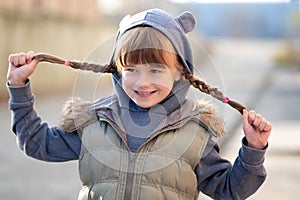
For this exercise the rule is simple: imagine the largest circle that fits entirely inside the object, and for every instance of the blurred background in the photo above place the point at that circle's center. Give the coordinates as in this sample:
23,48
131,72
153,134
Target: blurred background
249,49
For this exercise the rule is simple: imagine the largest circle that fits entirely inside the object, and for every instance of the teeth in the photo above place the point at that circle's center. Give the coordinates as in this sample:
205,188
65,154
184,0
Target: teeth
144,93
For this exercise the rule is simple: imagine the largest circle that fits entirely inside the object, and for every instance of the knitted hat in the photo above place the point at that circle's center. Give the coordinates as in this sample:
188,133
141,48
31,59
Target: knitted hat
173,28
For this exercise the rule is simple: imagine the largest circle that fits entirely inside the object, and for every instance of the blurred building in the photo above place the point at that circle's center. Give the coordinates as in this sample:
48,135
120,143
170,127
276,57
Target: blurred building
69,29
68,9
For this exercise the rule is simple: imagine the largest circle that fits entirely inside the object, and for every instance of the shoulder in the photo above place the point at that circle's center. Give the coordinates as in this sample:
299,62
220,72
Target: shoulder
202,113
78,113
210,119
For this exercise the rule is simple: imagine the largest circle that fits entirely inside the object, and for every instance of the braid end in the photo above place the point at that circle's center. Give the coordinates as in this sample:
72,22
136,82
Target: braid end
236,105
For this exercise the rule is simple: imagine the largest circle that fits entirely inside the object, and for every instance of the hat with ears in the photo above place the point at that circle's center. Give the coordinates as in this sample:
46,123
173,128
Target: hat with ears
174,28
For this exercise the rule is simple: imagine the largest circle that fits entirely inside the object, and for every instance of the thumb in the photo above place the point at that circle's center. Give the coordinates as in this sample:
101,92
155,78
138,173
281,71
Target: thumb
34,63
26,70
31,61
245,118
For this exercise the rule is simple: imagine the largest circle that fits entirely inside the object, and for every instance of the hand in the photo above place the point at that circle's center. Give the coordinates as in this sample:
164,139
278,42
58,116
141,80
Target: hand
256,128
21,66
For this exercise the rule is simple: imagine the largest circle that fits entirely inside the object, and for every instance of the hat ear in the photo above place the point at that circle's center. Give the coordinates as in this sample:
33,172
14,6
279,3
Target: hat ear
187,21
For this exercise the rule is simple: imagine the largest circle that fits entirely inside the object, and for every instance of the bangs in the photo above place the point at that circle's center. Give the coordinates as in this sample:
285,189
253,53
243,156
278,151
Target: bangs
149,56
146,45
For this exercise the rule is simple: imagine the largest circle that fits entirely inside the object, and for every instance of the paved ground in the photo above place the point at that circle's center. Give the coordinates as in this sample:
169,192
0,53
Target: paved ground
246,73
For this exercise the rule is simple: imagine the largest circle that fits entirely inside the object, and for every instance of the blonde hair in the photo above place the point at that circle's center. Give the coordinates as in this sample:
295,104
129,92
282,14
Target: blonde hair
145,45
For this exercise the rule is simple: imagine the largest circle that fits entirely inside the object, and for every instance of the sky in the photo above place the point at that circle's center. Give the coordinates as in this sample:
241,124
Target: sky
115,5
232,1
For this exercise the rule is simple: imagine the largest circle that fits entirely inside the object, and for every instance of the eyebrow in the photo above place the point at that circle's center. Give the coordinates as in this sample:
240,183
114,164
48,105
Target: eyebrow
155,65
151,65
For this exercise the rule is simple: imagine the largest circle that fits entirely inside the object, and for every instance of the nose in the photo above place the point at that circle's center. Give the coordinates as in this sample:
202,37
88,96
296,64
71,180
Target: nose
143,80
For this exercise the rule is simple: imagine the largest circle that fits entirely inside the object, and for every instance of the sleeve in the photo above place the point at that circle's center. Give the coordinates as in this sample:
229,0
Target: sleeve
35,137
219,179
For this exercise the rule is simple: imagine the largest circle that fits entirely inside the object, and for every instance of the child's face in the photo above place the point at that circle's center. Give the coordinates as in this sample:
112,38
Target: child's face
148,84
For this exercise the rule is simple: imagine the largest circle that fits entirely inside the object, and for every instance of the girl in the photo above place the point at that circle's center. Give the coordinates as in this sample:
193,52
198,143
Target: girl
147,141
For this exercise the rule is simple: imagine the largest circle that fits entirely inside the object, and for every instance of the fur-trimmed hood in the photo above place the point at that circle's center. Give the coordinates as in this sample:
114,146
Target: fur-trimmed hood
78,113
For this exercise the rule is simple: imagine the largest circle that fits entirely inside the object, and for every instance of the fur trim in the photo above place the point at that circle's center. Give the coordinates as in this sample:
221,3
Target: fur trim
76,114
210,118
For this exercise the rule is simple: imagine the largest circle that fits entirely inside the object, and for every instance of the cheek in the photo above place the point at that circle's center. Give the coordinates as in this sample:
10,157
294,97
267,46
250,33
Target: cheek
126,79
128,84
168,80
165,84
125,83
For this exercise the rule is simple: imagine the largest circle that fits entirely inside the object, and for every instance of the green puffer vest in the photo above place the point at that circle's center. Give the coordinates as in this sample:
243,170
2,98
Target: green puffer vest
162,168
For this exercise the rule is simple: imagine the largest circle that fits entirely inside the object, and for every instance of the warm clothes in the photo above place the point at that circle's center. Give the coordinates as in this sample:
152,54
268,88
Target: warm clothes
162,168
215,176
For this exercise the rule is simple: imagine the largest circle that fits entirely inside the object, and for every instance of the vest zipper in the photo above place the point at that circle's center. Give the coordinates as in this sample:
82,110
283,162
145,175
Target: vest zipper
131,163
129,185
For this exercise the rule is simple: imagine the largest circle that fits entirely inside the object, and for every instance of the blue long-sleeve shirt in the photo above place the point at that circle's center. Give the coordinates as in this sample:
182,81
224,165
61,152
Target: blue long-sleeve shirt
216,176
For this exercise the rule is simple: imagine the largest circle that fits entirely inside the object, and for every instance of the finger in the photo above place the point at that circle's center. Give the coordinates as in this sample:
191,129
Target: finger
251,116
29,56
257,120
22,58
245,116
11,58
268,126
15,60
262,125
33,64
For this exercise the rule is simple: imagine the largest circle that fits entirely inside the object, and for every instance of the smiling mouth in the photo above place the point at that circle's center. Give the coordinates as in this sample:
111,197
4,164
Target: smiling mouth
144,94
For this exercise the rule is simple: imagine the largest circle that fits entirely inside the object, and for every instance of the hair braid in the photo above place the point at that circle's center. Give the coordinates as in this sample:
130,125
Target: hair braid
110,68
212,91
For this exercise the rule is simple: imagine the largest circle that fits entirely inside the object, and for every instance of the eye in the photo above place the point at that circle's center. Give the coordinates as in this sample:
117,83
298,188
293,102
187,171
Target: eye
129,69
155,71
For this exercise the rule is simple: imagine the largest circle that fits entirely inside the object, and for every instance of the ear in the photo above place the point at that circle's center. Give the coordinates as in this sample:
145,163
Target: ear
187,21
177,76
